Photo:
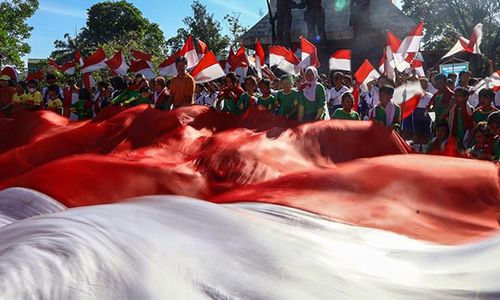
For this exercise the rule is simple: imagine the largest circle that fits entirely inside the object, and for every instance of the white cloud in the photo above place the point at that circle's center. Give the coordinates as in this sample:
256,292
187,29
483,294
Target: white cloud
63,10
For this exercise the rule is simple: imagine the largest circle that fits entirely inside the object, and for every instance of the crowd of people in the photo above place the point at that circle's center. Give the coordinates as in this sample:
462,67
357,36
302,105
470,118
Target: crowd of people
466,122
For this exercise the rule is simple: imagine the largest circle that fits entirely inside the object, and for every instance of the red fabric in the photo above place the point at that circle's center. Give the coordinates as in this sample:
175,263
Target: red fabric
346,170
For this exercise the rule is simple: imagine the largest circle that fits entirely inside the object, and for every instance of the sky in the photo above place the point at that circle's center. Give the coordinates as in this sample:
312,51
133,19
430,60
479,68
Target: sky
54,18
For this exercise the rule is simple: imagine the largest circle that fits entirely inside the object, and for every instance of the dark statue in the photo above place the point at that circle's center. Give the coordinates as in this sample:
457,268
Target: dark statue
359,19
315,19
284,18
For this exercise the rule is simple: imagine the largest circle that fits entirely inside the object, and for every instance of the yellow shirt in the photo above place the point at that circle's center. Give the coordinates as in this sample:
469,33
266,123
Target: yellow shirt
18,99
55,103
33,98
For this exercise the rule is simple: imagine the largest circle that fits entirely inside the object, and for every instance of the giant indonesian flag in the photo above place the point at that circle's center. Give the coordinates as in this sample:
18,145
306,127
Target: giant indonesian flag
365,74
208,69
340,60
95,62
289,211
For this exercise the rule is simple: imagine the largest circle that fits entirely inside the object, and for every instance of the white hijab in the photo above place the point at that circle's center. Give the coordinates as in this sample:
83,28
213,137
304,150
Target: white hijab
310,87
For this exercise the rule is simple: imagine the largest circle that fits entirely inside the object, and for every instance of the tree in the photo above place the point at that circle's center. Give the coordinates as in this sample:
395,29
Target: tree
236,30
201,25
445,21
66,49
115,25
13,29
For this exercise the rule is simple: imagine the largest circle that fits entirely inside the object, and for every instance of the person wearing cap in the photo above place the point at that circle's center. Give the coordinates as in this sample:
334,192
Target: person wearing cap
6,92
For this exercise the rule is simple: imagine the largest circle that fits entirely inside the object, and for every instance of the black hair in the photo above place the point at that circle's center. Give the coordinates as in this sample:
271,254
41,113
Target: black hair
345,95
441,77
251,78
84,94
483,128
33,82
487,93
144,89
463,73
494,118
118,83
53,88
443,125
266,82
50,76
462,91
181,59
232,76
387,89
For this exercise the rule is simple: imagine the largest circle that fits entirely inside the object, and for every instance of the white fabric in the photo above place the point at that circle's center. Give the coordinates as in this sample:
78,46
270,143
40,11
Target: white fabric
390,111
310,89
424,100
335,97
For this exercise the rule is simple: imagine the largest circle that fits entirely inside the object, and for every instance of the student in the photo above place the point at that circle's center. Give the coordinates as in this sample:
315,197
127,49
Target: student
336,91
182,86
459,117
6,92
212,94
145,96
51,80
346,112
441,99
265,100
421,119
483,148
19,95
464,80
486,98
494,126
199,95
387,112
161,99
33,98
312,100
83,108
53,102
287,99
70,93
230,94
248,98
438,144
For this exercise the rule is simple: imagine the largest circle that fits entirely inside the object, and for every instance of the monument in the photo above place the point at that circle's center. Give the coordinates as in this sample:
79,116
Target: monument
360,25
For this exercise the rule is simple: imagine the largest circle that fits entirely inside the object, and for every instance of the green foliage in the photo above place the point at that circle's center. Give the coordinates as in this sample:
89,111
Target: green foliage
201,25
445,21
14,30
236,30
113,25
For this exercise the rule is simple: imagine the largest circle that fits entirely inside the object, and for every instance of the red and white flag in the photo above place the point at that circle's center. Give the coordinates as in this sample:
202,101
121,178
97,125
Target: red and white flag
38,75
418,65
189,51
69,68
465,45
202,49
392,58
239,63
167,67
52,64
95,62
365,74
208,69
10,71
340,60
118,64
88,81
411,44
284,59
407,97
260,58
491,82
139,55
78,58
309,54
227,64
142,67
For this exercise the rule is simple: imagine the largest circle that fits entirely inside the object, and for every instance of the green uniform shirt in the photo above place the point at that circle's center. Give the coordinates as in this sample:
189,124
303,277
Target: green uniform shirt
380,116
143,100
81,111
126,97
342,115
244,102
287,102
439,107
311,107
268,103
480,116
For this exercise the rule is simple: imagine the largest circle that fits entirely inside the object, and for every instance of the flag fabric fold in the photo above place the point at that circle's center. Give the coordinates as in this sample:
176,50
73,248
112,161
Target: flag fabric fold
95,62
341,60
